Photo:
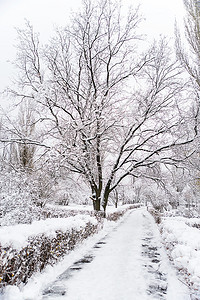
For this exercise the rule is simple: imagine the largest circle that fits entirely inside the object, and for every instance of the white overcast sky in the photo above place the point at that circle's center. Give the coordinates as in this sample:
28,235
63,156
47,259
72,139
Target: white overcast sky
45,14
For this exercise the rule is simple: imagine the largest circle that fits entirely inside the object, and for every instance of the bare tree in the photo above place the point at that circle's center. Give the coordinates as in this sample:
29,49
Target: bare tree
188,52
187,49
190,58
108,112
22,154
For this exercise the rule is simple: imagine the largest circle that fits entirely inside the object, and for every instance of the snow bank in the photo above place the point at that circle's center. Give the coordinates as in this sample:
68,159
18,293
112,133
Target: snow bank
176,230
36,284
12,293
183,244
27,248
17,236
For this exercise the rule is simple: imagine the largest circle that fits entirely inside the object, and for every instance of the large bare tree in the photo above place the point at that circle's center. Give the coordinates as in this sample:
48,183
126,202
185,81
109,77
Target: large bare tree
109,113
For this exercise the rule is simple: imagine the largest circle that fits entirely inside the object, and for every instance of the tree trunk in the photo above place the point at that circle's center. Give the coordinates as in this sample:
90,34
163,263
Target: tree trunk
105,198
116,198
96,198
97,204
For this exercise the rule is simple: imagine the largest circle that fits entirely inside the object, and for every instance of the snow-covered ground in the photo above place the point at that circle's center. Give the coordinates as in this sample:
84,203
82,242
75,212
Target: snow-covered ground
125,260
183,244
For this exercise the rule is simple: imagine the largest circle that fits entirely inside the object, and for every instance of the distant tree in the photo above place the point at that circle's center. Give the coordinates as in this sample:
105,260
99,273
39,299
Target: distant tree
22,154
190,58
108,112
187,48
188,53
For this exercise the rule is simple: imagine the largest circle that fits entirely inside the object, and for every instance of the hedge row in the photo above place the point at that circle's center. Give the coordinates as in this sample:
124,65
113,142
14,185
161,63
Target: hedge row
18,266
118,214
156,215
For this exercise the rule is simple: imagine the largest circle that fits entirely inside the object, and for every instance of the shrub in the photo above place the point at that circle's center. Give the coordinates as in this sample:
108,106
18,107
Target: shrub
156,214
18,265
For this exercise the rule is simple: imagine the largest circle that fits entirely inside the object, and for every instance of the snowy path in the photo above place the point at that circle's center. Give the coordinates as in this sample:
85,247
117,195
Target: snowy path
127,264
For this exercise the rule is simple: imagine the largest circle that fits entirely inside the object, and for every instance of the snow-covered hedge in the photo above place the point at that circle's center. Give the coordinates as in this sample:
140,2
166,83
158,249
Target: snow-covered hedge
114,216
156,215
183,245
28,248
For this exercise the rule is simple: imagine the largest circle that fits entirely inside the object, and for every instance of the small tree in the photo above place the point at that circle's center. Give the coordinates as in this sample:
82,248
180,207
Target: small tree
22,154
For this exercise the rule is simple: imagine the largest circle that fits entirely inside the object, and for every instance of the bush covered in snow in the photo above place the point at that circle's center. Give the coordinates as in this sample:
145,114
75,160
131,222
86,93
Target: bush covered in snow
114,216
27,248
182,242
156,215
17,199
30,249
24,195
